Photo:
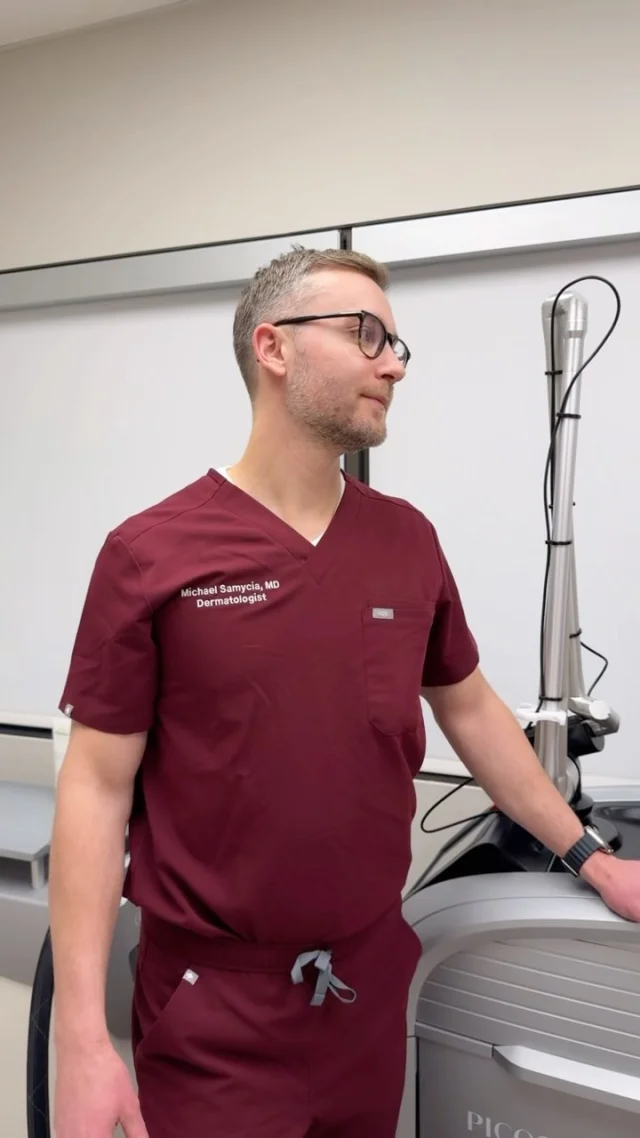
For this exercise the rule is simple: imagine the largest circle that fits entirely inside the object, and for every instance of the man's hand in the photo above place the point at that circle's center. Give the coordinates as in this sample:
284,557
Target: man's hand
490,742
93,1093
617,881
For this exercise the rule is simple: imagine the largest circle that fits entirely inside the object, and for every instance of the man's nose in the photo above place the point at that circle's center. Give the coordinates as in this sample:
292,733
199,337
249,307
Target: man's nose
390,367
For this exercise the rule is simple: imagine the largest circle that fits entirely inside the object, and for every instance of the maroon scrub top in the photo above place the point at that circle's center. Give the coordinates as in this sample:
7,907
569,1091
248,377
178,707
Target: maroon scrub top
279,683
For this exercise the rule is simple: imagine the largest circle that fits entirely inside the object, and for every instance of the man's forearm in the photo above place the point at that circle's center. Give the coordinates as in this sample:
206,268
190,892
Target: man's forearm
492,745
85,883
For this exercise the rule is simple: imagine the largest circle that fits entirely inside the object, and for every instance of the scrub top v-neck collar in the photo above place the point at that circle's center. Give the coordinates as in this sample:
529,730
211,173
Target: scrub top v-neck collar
317,558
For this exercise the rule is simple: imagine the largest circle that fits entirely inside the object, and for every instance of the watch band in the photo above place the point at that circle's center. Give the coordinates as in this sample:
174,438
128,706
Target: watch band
575,857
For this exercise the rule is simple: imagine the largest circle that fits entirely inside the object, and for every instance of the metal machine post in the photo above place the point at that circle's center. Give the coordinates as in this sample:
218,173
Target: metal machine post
564,409
563,700
567,722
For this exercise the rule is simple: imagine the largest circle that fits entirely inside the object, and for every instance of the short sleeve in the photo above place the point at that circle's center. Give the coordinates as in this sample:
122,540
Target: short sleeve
452,652
111,683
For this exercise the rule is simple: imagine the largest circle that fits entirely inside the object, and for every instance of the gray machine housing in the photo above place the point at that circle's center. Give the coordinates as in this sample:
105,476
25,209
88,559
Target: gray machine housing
524,1014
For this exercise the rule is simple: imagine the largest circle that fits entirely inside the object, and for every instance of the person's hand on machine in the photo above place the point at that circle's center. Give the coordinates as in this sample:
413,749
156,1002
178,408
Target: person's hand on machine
94,1093
486,736
617,881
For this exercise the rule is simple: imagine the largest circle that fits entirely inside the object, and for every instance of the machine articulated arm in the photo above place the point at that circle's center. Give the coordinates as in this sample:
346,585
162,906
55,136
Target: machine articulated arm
567,722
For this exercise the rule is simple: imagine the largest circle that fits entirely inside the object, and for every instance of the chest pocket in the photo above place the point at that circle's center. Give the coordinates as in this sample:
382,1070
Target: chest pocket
395,638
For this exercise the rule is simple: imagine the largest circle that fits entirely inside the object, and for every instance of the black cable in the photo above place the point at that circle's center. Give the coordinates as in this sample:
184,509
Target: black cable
555,418
460,821
38,1124
602,671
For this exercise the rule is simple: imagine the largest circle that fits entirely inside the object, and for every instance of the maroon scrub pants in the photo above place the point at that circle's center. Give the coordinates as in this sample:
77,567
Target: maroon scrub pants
232,1040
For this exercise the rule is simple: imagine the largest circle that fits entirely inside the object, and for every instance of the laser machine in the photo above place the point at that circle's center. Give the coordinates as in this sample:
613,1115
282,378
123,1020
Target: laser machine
524,1015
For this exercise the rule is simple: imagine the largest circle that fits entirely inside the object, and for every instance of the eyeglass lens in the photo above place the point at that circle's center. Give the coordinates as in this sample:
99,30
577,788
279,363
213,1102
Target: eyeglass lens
373,337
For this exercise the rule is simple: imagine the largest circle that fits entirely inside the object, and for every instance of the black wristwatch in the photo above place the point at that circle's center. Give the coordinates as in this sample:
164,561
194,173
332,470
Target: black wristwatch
590,841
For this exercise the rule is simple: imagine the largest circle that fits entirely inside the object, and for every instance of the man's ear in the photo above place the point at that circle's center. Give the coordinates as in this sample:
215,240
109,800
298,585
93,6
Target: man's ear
270,349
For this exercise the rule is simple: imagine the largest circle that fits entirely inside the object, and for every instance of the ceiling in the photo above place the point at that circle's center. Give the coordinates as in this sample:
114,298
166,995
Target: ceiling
23,20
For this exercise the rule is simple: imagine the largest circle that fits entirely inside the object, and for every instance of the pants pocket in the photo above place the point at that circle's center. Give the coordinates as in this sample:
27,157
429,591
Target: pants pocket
163,998
395,638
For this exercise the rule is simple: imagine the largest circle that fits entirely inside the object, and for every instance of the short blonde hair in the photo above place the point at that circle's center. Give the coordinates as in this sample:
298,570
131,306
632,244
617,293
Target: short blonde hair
270,293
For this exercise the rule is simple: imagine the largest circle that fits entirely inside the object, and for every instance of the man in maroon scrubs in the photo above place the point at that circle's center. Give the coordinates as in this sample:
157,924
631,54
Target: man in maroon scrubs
245,694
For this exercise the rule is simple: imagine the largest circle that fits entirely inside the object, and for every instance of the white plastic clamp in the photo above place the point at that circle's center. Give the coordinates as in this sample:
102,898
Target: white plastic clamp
527,714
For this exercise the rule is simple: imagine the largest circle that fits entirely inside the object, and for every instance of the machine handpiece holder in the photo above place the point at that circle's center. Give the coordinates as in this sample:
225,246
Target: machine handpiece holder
565,708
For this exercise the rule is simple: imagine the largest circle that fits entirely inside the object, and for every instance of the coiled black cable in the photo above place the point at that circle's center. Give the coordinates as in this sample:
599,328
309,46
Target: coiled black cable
38,1123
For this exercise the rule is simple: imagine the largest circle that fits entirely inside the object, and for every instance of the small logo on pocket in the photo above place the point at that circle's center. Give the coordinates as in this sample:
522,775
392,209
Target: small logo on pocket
382,614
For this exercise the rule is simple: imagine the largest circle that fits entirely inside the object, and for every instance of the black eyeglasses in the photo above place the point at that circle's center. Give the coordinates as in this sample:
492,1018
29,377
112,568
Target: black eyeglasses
372,334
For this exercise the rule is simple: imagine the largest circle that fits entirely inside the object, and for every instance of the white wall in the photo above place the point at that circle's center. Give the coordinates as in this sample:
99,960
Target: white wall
146,389
225,120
